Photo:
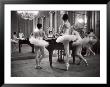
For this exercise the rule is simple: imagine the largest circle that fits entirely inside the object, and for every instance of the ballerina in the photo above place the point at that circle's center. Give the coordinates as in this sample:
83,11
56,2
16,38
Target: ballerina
79,43
66,38
37,39
92,40
83,42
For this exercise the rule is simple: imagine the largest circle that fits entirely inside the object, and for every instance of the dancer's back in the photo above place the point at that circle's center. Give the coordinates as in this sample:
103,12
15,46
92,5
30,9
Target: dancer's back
39,34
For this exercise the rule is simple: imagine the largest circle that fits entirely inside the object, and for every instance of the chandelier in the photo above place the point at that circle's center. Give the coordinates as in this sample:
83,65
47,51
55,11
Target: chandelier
28,14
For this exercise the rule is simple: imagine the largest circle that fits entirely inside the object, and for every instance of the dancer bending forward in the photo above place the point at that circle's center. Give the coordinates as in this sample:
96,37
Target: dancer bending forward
39,44
92,41
66,37
79,43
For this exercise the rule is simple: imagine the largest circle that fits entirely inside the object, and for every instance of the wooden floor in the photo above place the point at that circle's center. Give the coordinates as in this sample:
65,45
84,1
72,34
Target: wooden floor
22,65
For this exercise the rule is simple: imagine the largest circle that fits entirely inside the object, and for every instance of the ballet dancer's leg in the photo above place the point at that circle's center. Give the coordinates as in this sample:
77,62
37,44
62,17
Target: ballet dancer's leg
78,53
87,52
37,51
92,43
73,53
41,55
66,47
82,58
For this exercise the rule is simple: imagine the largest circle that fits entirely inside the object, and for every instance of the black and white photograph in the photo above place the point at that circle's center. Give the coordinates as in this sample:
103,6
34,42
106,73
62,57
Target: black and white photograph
49,42
67,40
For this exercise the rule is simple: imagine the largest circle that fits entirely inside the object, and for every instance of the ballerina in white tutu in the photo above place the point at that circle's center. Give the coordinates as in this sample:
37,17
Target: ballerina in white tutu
79,43
83,42
39,44
66,37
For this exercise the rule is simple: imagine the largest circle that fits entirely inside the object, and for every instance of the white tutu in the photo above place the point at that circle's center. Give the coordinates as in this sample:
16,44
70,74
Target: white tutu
66,38
38,42
77,42
85,42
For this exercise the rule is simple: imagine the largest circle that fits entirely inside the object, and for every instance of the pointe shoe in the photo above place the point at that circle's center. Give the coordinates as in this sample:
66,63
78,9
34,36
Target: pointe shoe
86,62
67,66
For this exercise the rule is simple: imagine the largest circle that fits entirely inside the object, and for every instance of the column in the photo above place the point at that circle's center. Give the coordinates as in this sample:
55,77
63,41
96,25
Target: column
85,21
45,25
55,18
90,19
97,23
93,20
73,18
33,24
50,13
42,22
85,18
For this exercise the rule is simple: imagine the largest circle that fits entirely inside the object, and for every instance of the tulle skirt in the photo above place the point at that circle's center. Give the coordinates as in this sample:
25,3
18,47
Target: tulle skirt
88,42
81,41
38,42
65,38
85,42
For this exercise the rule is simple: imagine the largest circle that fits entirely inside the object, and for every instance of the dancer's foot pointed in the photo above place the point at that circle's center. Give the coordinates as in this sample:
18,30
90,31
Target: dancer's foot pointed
86,64
67,66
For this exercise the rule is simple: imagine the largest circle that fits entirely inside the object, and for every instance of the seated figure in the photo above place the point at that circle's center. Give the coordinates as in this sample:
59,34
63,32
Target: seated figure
21,36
